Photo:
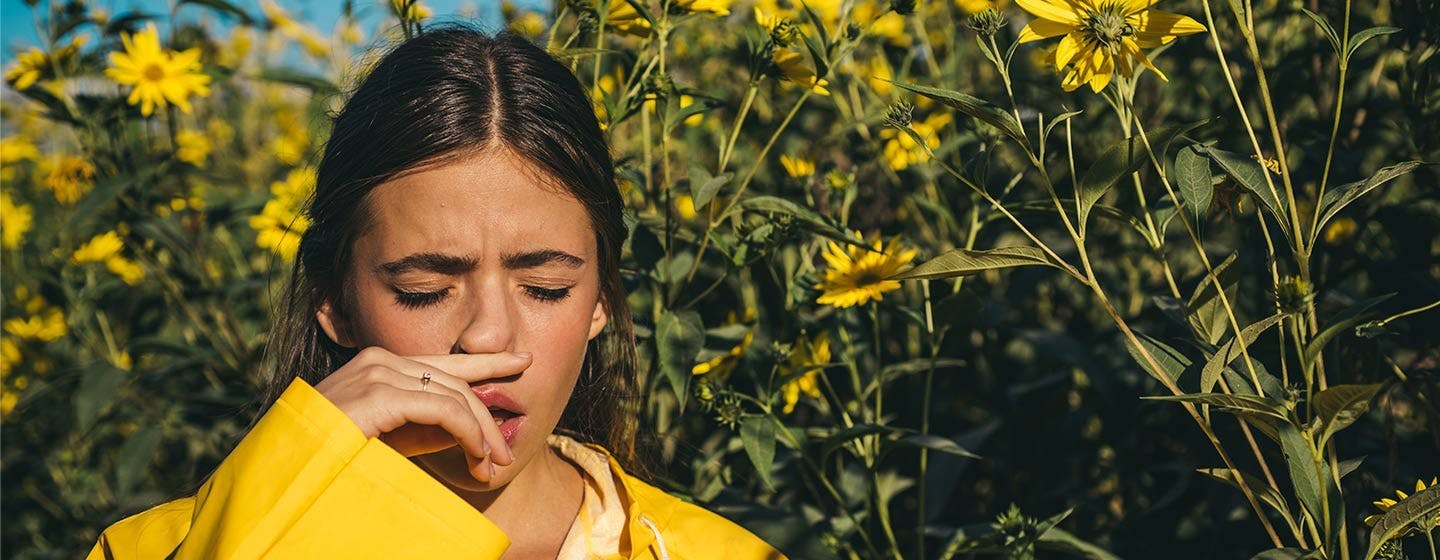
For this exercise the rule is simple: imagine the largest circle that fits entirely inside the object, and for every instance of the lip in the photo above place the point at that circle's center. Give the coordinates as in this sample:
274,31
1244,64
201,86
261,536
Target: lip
494,397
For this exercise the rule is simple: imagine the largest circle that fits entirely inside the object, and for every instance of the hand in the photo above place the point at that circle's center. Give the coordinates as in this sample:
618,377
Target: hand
381,392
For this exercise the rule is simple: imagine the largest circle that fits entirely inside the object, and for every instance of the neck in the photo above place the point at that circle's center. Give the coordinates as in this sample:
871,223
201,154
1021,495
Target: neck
536,509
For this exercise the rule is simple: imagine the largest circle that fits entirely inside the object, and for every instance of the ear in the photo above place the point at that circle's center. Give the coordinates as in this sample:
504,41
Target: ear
598,319
334,324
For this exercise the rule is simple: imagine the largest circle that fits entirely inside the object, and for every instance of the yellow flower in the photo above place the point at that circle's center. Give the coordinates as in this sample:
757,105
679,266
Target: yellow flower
17,148
412,13
280,223
685,206
1340,230
623,18
977,6
805,362
15,219
9,357
241,41
28,67
882,22
797,167
529,24
44,324
720,366
98,248
1103,36
901,150
858,275
157,76
880,74
70,177
1384,504
716,7
351,33
129,271
792,67
192,147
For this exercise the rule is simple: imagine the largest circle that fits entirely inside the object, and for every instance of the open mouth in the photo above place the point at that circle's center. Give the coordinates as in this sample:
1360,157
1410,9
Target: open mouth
507,413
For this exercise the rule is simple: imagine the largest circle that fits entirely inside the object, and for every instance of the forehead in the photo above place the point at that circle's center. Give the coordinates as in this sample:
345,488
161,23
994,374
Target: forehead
482,204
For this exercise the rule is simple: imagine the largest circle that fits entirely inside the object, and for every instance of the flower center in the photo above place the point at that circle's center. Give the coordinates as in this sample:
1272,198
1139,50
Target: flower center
1106,25
154,72
867,277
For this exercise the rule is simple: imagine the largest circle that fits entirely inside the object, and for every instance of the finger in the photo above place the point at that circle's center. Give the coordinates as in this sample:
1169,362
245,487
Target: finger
442,406
474,368
500,451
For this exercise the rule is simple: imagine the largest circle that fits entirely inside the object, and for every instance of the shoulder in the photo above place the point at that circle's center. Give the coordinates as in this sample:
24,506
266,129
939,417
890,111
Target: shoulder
155,531
691,531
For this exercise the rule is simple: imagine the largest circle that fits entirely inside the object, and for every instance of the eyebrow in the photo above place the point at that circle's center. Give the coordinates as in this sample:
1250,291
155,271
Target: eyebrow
454,265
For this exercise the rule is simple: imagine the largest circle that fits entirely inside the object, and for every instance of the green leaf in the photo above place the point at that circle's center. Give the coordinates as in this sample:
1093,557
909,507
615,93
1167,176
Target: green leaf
679,337
1366,35
289,76
1420,508
965,262
936,443
840,438
1059,119
1342,321
1326,28
1262,490
1257,408
1309,475
1250,175
1172,363
808,218
1230,351
703,186
97,390
985,111
1338,198
757,432
1120,160
1205,310
1193,182
1340,406
135,457
1062,541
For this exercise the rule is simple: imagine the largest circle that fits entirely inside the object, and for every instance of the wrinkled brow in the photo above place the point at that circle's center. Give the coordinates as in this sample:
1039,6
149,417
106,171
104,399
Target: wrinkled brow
452,265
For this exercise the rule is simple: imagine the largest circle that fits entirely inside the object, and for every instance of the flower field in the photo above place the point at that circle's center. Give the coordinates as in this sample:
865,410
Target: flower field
920,279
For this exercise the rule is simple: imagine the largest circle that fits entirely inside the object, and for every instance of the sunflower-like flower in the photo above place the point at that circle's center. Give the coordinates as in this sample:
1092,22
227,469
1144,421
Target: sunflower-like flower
720,366
157,76
797,167
859,274
1103,36
805,361
15,221
713,7
192,147
791,66
1384,504
902,151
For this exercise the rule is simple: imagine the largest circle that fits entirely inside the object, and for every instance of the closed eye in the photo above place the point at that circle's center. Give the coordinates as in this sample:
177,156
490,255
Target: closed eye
415,300
549,295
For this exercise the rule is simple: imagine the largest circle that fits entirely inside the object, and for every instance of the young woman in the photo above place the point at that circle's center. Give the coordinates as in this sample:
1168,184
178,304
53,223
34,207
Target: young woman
457,347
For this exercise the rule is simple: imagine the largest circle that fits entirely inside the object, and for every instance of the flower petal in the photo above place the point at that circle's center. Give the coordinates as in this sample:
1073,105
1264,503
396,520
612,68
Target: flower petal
1157,28
1043,29
1055,10
1069,47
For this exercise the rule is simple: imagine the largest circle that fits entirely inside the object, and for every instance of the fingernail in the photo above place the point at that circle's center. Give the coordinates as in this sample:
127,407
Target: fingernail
492,471
522,354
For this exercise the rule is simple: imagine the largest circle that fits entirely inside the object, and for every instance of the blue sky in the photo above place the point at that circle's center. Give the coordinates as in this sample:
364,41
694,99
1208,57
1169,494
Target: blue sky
18,31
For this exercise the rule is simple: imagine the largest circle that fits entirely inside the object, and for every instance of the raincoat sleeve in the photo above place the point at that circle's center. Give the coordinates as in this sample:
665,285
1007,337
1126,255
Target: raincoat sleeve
307,483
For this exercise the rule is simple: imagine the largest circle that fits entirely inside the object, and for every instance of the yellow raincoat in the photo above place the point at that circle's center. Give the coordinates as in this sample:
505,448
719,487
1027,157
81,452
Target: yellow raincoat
307,483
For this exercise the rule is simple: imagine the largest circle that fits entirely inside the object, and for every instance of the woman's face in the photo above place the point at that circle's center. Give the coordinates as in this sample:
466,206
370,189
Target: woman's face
478,256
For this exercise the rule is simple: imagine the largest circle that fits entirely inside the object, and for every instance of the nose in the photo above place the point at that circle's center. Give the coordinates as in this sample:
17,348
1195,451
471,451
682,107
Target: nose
491,325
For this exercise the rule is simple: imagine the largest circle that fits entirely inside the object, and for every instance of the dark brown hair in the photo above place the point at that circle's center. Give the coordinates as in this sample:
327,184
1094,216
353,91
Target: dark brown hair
450,92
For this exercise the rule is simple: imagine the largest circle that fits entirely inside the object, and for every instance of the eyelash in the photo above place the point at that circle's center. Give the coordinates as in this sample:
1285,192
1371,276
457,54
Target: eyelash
416,300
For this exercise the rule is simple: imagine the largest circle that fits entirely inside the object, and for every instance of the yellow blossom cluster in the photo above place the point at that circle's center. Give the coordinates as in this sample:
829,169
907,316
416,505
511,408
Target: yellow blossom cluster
280,223
106,248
